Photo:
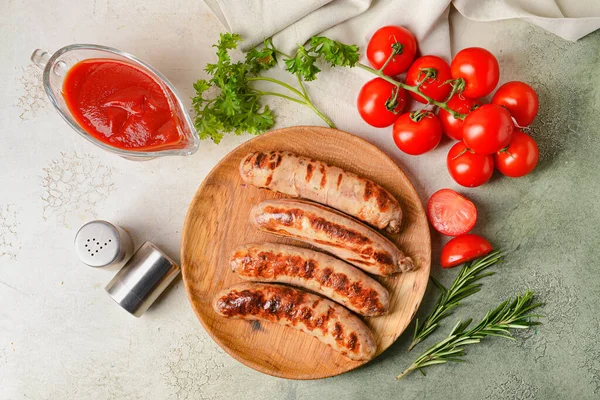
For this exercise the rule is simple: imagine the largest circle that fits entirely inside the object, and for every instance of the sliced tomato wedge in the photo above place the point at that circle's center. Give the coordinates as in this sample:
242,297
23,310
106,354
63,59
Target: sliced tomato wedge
463,249
450,213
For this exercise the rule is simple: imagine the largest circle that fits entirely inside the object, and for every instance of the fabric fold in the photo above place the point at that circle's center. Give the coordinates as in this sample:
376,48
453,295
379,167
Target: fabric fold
291,23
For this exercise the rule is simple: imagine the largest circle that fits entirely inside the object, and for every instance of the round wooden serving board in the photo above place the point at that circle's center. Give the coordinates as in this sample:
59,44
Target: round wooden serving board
217,222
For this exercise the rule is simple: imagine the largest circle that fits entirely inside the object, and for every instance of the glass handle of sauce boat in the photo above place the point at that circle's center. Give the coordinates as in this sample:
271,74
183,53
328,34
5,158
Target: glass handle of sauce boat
40,58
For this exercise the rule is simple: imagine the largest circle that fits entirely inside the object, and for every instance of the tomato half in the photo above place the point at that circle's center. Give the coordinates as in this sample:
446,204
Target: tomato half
453,127
380,49
434,86
374,105
418,135
479,68
467,168
450,213
463,249
520,99
488,129
520,158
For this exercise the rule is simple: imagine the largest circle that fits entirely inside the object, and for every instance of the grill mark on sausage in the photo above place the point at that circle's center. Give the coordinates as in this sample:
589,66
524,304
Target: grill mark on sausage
339,180
359,261
270,265
323,175
325,275
328,243
259,161
274,160
307,313
352,343
382,198
274,216
368,191
367,252
269,179
309,172
292,217
338,332
383,258
247,169
337,231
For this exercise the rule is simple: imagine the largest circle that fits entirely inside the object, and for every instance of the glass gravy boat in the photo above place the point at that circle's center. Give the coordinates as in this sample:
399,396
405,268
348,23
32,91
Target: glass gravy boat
55,68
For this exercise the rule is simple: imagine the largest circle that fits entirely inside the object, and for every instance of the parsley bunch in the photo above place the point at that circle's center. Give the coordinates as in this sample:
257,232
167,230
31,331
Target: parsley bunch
237,107
227,102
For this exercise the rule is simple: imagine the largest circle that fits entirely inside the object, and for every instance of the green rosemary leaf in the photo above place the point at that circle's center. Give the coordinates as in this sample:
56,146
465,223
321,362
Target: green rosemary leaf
513,314
463,286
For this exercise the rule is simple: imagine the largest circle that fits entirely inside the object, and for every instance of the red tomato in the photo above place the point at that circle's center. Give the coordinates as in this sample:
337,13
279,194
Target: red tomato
416,134
380,49
434,86
488,129
463,249
453,127
520,158
479,68
374,103
450,213
467,168
520,99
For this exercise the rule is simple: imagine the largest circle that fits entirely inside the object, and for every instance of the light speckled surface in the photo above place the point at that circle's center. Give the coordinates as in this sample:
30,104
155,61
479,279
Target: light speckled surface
61,336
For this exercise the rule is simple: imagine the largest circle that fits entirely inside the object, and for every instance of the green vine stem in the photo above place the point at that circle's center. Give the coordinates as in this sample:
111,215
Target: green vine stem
415,89
397,48
278,82
304,99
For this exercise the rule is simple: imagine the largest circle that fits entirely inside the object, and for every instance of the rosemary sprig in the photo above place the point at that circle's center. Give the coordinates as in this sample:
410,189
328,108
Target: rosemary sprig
463,286
515,314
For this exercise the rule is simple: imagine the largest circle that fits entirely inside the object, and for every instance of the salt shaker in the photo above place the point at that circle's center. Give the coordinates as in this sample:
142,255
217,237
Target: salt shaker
102,244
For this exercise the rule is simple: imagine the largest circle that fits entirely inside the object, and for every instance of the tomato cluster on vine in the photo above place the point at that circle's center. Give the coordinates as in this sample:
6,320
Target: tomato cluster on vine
488,135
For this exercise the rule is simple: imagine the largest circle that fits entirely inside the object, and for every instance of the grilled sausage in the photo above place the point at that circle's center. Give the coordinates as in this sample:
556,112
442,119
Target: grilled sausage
314,180
329,322
333,232
319,272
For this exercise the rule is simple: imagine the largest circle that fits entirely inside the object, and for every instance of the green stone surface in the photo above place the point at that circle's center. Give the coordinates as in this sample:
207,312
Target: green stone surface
62,337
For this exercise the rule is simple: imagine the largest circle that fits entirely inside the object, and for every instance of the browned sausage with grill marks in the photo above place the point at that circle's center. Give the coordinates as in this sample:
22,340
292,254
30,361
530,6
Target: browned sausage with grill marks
314,180
333,232
327,321
313,270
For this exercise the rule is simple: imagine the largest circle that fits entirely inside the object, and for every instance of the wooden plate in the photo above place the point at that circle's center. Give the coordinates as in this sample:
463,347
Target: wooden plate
217,221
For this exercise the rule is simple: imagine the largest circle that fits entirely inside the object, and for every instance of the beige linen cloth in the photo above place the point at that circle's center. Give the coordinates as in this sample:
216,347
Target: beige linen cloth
291,22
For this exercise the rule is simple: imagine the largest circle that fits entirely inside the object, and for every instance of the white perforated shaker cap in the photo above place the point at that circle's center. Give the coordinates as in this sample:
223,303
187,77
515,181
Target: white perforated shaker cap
102,244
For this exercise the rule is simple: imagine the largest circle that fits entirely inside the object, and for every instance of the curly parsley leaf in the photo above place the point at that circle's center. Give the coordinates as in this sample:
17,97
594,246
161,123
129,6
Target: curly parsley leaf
334,52
303,64
236,107
259,60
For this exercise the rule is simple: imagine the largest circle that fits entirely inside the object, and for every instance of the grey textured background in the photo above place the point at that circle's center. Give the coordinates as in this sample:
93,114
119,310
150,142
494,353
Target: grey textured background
62,337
